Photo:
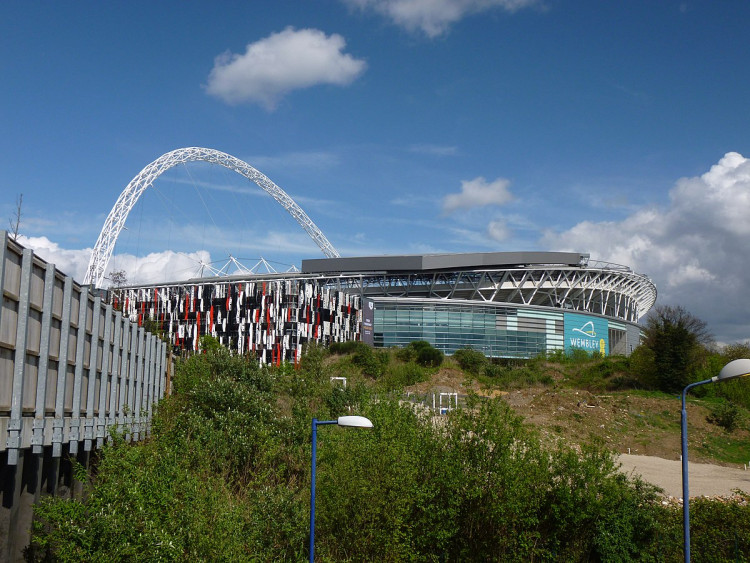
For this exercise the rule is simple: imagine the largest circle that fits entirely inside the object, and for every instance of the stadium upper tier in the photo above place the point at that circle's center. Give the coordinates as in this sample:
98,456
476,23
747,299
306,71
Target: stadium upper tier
564,280
560,280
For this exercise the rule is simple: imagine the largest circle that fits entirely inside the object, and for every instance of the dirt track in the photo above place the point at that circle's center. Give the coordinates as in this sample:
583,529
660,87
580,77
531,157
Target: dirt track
705,479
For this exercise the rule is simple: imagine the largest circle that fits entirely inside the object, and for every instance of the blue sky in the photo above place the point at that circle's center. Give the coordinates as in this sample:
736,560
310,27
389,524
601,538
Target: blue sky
399,126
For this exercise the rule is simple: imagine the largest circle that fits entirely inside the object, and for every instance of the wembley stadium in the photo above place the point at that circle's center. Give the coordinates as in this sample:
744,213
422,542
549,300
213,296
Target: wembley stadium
505,304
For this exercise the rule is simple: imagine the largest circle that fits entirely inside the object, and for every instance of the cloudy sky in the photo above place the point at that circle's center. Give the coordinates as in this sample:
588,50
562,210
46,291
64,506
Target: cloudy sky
619,129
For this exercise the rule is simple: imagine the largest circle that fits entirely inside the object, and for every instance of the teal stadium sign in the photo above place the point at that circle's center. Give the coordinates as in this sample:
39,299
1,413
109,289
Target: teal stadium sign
583,332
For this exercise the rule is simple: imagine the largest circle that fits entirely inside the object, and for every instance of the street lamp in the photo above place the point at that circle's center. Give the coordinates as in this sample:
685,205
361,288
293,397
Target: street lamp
352,421
735,368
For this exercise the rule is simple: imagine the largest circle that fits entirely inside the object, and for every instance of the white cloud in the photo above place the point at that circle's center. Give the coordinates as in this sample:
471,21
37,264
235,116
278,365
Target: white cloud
159,267
280,63
153,268
434,17
478,193
696,249
498,230
72,262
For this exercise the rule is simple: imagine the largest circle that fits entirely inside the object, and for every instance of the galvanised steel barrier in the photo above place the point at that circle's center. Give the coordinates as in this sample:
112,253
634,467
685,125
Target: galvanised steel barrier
71,368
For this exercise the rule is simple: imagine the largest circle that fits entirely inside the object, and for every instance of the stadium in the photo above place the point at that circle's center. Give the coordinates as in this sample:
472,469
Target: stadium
505,304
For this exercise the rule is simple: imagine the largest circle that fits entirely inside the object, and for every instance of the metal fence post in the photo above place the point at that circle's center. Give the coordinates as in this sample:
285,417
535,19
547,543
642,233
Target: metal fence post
37,440
15,424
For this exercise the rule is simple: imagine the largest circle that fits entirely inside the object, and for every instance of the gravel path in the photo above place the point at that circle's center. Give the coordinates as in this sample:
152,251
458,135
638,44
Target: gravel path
705,479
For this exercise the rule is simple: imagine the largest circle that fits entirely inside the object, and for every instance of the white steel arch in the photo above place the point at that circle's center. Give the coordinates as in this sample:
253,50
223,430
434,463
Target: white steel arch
105,244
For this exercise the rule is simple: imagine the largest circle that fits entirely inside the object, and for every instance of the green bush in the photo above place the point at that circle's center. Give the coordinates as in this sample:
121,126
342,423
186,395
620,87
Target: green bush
312,361
736,391
342,400
422,352
405,354
604,374
496,370
225,475
470,360
404,375
409,352
480,489
372,362
198,489
578,356
430,357
149,503
726,415
719,531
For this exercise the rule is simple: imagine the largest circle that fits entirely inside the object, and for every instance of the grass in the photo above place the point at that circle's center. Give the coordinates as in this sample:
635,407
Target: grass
725,448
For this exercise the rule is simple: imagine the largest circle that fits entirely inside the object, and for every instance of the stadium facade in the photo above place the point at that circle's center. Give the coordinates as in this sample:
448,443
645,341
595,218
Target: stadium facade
505,304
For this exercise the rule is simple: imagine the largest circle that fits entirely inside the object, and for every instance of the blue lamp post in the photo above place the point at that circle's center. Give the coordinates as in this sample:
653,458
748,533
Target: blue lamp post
735,368
352,421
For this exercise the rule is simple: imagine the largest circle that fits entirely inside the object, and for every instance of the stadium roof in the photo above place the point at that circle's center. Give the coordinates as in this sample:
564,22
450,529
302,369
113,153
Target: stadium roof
428,262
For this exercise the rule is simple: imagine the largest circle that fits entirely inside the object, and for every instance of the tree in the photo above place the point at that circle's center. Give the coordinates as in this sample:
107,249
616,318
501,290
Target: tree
735,351
118,278
677,340
15,221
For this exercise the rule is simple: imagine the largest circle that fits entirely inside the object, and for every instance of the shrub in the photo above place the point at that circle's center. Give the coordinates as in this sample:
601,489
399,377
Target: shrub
225,476
372,362
719,531
607,373
736,351
194,490
736,391
342,400
430,357
422,352
406,354
480,488
496,370
404,375
725,415
470,360
409,352
557,356
312,360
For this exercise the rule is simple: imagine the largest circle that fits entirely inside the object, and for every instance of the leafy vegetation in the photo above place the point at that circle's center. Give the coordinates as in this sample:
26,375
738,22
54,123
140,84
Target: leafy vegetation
517,376
225,474
421,352
726,415
675,342
471,361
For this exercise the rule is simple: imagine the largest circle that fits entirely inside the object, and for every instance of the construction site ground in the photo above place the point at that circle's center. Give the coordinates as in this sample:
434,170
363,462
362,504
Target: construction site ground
642,428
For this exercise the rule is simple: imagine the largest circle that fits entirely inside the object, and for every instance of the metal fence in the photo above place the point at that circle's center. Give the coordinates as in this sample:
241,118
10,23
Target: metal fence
71,366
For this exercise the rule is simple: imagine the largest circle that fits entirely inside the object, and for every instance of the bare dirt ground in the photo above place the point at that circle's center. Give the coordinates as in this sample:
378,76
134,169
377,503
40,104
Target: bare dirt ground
644,430
705,479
